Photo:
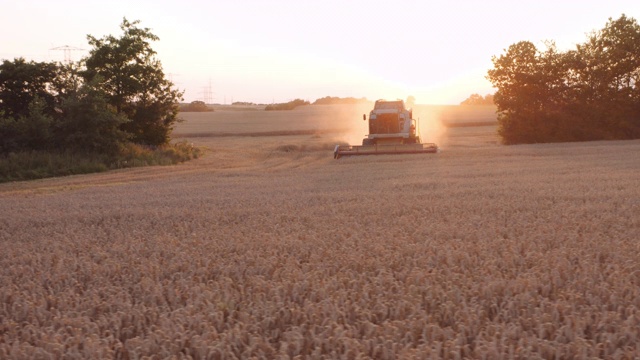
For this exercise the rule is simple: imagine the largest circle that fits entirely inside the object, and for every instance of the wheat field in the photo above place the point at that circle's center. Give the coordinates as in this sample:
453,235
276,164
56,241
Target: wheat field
268,248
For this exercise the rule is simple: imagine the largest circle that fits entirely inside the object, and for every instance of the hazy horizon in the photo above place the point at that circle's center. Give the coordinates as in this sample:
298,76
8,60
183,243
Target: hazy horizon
261,52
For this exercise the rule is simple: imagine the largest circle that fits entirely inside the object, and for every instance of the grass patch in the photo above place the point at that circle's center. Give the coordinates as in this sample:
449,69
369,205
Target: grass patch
29,165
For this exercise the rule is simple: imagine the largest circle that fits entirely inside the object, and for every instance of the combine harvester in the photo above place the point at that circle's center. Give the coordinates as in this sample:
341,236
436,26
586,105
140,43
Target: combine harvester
392,130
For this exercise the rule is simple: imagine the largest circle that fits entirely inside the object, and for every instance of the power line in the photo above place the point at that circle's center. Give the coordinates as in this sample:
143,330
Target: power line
66,49
208,94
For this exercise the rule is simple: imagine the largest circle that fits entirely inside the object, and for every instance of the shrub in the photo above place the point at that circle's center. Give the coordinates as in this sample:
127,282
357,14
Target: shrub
287,106
195,106
331,100
29,165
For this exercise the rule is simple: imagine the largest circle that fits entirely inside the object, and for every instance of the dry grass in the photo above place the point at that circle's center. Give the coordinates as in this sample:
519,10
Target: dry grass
269,248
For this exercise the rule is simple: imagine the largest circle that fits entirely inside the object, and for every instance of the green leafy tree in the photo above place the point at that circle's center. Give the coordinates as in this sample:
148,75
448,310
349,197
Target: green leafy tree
134,82
590,93
607,75
30,131
29,101
515,77
89,123
68,81
477,99
196,106
287,106
473,99
36,129
330,100
21,82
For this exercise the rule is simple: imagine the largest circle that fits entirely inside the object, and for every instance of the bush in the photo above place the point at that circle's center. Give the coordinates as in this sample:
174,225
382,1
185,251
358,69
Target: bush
28,165
331,100
195,106
32,131
88,125
140,155
287,106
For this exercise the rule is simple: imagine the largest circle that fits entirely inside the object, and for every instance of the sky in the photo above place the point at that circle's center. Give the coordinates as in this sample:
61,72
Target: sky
279,50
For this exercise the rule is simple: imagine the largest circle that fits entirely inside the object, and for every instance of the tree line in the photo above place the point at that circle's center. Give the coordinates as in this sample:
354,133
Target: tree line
332,100
477,99
195,106
589,93
327,100
287,106
117,95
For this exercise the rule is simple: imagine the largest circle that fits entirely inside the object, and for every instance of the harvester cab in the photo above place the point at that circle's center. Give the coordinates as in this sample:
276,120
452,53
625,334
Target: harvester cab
392,130
390,122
